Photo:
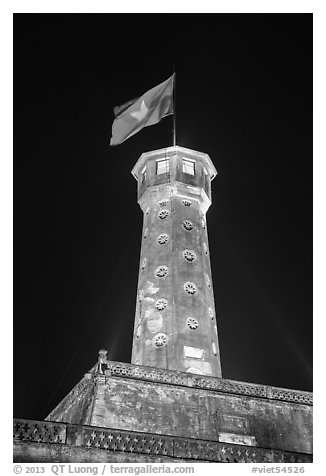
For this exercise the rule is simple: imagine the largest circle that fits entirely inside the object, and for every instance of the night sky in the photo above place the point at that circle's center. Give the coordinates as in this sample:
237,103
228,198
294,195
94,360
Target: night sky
244,96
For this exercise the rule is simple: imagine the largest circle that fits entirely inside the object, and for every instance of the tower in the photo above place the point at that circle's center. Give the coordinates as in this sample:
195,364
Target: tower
175,326
142,412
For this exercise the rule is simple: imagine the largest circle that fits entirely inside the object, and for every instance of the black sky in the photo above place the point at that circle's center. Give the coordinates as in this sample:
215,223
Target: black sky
244,96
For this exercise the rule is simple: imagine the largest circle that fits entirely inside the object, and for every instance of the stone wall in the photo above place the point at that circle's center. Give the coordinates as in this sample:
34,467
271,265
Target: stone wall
171,410
137,398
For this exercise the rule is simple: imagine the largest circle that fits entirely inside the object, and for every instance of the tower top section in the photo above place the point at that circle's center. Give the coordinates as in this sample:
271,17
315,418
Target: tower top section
170,151
175,171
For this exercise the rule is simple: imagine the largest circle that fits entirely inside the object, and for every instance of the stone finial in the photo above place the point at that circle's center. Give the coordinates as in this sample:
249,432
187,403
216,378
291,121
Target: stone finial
103,353
102,360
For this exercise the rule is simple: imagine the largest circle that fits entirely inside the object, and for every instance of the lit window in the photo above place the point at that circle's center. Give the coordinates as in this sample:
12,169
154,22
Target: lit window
188,166
162,166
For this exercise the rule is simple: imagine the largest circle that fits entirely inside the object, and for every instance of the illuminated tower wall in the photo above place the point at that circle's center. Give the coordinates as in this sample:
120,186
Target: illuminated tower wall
175,325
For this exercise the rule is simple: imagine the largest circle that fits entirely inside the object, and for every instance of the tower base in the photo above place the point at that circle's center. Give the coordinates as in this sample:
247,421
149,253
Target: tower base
128,413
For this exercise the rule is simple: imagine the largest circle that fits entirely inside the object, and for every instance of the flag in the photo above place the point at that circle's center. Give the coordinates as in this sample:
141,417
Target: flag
144,111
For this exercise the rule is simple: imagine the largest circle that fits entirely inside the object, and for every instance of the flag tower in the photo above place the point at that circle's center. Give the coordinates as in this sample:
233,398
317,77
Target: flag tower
175,326
171,403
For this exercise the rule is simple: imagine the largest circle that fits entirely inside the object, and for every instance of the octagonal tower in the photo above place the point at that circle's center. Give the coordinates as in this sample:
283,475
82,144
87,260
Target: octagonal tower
175,324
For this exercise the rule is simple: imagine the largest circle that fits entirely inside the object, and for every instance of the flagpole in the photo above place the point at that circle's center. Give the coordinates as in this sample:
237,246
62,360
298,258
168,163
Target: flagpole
174,109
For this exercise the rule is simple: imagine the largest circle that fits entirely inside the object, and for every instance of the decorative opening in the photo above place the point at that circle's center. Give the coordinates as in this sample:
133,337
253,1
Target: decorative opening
160,339
163,203
163,214
189,255
145,233
161,271
203,222
162,166
205,249
147,211
190,288
192,323
188,166
161,304
187,225
162,239
186,203
143,264
211,312
138,333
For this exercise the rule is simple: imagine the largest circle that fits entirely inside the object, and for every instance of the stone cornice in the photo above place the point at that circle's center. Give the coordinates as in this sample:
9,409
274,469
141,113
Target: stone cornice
119,369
